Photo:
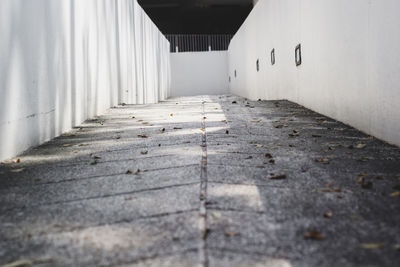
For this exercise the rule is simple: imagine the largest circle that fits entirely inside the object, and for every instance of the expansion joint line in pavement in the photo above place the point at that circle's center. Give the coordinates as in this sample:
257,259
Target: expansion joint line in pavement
203,257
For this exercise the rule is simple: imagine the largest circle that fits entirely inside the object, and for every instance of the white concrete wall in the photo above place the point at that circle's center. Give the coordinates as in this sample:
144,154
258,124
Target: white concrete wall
351,59
199,73
64,61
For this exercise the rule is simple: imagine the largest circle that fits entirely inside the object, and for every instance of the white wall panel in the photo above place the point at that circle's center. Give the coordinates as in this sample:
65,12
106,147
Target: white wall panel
64,61
351,59
199,73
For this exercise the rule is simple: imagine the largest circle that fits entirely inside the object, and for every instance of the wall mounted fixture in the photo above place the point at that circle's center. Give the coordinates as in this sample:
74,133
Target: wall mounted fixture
235,74
273,56
298,55
258,65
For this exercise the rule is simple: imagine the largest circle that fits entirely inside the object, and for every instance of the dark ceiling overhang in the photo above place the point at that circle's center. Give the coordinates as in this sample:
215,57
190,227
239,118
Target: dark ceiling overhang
197,16
193,3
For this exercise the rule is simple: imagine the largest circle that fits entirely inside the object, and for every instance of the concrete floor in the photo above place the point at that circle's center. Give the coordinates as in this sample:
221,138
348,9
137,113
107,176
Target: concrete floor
209,181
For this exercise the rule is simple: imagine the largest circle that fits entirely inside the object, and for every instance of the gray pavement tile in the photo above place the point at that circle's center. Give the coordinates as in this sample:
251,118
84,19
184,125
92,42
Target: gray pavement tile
275,171
140,241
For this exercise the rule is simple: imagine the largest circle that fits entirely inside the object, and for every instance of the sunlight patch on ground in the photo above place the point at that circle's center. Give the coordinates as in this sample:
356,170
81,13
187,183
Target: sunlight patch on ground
248,194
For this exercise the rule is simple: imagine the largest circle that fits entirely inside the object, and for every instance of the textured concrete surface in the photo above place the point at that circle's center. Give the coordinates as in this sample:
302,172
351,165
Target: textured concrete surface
209,181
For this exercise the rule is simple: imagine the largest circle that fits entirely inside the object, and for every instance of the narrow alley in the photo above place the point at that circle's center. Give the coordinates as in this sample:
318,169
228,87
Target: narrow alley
208,181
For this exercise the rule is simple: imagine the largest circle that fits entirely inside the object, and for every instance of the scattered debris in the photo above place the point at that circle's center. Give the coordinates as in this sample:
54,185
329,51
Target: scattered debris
67,145
216,214
371,246
278,177
144,152
231,233
363,159
323,160
295,133
162,130
129,172
177,128
143,136
362,180
93,162
395,194
234,102
227,132
249,157
268,155
256,120
361,145
328,214
17,160
172,114
314,235
259,146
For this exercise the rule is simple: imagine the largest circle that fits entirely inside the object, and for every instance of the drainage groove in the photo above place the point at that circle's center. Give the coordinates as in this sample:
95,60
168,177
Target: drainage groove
203,195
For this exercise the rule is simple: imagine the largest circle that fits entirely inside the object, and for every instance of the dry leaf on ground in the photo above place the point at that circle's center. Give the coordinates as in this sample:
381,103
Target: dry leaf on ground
371,245
361,145
395,194
314,235
231,233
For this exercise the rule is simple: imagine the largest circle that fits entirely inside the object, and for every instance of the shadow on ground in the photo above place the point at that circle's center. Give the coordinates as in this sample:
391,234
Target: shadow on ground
286,187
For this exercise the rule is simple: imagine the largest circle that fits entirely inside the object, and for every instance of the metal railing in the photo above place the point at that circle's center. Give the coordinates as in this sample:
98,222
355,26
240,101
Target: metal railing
198,42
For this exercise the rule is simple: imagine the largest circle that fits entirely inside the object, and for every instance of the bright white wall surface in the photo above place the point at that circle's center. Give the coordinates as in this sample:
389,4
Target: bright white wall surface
199,73
64,61
351,59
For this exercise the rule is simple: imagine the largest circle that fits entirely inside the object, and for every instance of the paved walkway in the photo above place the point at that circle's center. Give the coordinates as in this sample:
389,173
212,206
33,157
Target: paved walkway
215,181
